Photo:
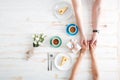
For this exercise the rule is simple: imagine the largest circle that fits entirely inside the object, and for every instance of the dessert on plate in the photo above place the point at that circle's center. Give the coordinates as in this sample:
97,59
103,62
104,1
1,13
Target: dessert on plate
62,10
64,60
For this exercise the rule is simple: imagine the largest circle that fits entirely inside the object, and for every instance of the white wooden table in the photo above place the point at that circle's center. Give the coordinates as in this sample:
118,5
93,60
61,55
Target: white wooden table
20,19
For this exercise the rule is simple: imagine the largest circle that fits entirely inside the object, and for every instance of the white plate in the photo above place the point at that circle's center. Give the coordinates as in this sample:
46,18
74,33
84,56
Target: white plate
60,5
58,59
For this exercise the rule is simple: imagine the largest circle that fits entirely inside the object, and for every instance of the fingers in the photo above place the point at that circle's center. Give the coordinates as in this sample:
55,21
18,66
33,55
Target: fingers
81,42
95,42
89,44
93,46
92,42
85,42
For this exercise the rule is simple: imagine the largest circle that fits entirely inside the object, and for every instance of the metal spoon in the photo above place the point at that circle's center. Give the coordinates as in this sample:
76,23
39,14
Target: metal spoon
51,59
48,63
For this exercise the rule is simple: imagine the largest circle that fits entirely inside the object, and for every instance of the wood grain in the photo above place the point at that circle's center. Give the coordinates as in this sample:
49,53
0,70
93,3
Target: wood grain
20,19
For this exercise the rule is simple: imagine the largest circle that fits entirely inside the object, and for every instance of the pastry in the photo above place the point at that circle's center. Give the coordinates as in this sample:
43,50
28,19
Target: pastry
64,60
62,10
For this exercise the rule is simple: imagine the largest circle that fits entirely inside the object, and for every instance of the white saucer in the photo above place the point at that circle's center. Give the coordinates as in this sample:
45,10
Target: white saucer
66,15
58,59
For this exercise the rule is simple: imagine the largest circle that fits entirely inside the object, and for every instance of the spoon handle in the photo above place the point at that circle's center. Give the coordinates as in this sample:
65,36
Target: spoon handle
51,65
48,62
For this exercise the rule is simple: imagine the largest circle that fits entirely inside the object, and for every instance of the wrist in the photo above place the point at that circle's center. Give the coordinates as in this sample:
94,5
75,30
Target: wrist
92,52
81,55
82,33
82,50
95,33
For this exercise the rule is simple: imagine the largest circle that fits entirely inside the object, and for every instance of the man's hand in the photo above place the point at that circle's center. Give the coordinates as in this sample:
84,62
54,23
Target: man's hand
84,48
83,40
94,38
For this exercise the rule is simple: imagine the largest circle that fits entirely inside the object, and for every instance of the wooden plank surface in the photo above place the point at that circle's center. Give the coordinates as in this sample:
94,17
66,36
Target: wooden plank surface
20,19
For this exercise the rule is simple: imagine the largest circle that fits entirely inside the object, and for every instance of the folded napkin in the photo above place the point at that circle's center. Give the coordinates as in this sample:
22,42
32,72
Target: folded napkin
73,45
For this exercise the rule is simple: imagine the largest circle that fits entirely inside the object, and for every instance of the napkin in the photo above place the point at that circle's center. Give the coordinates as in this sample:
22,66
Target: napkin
73,45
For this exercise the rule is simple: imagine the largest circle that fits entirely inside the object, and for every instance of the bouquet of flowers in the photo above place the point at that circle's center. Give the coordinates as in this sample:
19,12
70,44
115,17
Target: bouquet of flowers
38,39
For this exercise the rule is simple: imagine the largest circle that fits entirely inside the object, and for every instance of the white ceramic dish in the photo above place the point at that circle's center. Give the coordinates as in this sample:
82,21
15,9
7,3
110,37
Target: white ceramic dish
66,66
60,5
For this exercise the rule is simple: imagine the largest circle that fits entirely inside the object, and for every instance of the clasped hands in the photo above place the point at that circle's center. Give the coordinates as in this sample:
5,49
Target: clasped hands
84,40
89,46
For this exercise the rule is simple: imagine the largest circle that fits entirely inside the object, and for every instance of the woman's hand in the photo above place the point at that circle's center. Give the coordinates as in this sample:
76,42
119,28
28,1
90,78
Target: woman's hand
92,47
94,67
94,39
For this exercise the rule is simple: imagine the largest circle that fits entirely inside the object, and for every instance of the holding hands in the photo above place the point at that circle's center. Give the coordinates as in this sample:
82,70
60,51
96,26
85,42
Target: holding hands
91,46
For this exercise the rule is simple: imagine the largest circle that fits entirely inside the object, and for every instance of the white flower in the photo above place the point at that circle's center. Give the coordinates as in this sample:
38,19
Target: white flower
37,39
43,36
35,42
39,43
38,35
33,36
